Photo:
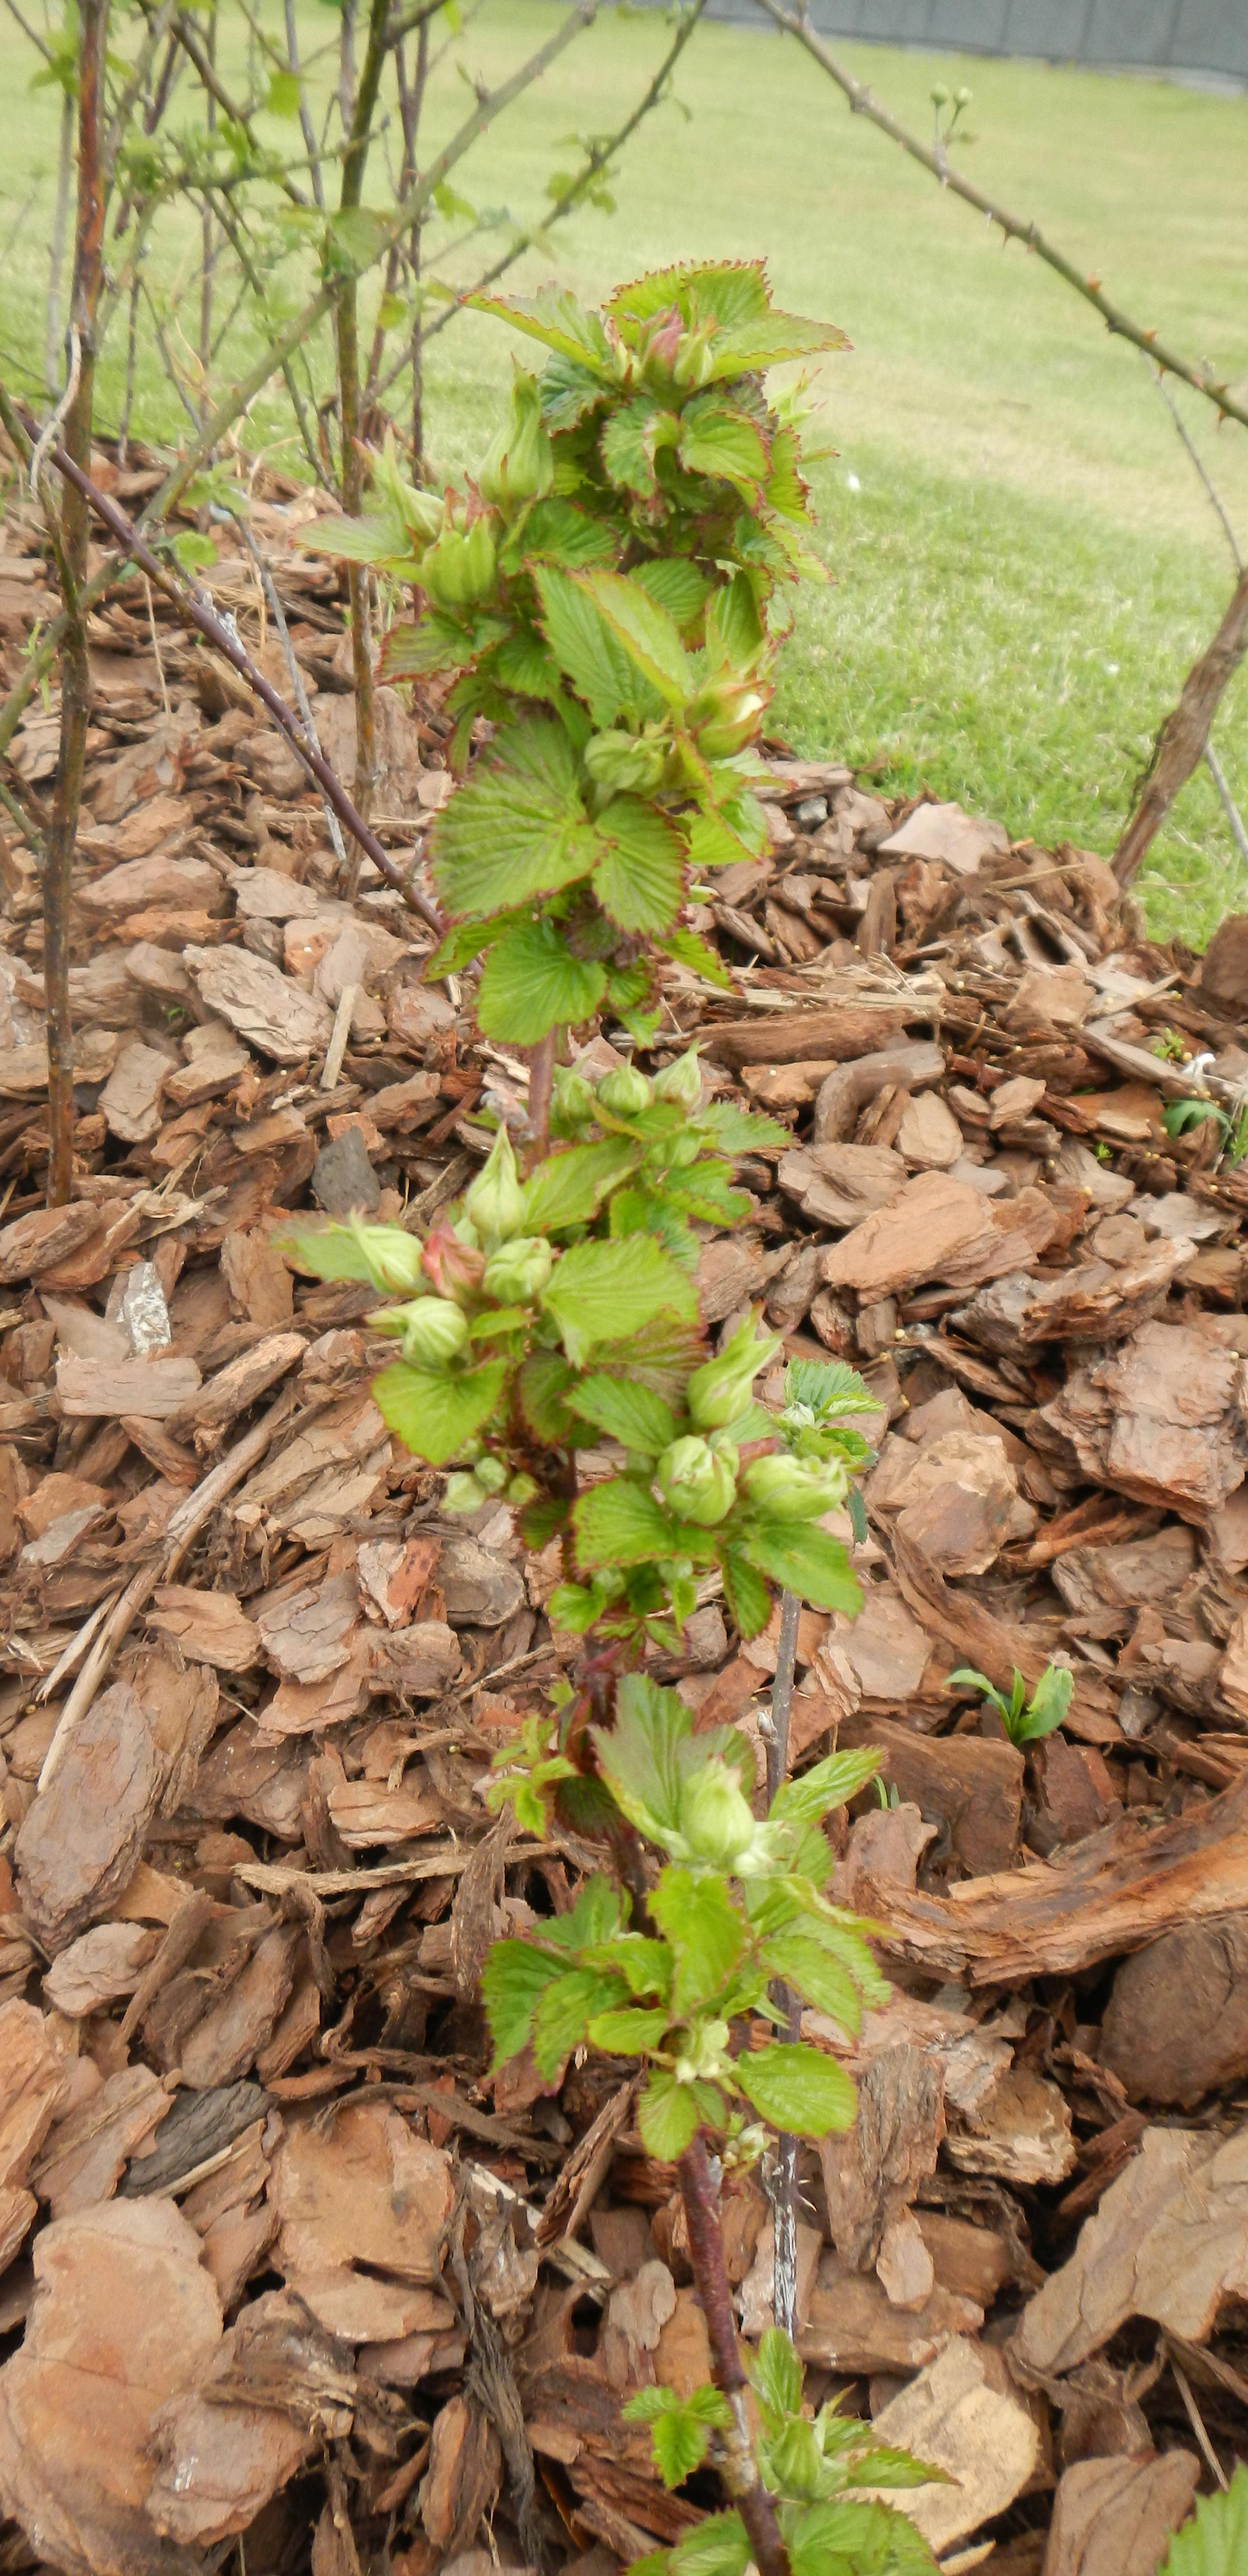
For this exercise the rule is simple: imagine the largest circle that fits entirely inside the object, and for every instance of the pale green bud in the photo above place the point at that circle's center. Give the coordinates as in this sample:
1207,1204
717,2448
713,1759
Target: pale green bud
625,1091
681,1082
394,1258
696,1484
520,465
715,1816
626,762
462,567
720,1390
463,1494
522,1489
492,1473
574,1100
494,1202
518,1272
434,1331
790,1491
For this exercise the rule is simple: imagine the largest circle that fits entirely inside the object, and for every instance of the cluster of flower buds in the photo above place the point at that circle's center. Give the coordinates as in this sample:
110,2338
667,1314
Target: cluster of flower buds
488,1478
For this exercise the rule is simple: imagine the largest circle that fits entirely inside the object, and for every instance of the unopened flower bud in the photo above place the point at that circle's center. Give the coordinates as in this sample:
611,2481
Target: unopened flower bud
681,1082
517,1273
463,1494
696,1484
520,465
394,1258
625,1091
434,1331
788,1490
462,567
715,1815
626,762
574,1099
452,1262
495,1202
522,1489
720,1389
491,1472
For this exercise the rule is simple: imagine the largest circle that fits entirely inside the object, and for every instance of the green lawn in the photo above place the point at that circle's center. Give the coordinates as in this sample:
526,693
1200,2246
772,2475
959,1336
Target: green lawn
1023,561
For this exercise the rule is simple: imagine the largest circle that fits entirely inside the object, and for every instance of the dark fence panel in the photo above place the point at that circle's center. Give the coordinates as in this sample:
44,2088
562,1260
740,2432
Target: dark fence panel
1158,35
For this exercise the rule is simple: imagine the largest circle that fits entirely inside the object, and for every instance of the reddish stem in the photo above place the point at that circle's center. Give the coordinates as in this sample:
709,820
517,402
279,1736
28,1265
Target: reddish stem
700,2194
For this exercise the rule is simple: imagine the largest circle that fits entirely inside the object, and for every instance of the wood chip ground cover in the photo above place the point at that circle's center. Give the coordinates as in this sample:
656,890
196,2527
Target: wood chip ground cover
282,2269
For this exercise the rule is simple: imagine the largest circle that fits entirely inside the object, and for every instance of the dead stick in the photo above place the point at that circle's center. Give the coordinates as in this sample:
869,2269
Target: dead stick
182,1528
1182,739
193,612
1013,226
700,2195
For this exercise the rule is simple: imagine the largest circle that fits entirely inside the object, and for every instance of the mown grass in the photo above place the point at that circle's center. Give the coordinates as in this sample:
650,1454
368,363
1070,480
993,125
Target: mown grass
1023,561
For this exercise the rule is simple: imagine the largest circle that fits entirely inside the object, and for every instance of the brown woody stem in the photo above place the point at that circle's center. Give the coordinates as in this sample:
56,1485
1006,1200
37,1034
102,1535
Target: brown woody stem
1014,227
223,641
700,2194
1185,733
72,566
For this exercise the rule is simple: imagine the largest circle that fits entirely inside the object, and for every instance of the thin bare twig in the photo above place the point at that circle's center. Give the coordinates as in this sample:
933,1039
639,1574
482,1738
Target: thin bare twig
195,612
38,662
784,2175
1012,226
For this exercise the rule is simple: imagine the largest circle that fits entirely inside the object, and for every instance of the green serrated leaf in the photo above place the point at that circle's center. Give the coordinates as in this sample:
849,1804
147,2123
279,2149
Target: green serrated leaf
705,1931
717,2546
555,317
603,1292
727,292
563,2014
719,440
589,652
650,637
748,1596
803,1559
678,586
563,533
569,1187
619,1523
517,827
531,983
1215,2541
626,1412
433,1415
630,441
639,875
828,1387
797,2088
667,2117
867,2539
831,1783
688,948
801,1962
514,1976
628,2032
777,2374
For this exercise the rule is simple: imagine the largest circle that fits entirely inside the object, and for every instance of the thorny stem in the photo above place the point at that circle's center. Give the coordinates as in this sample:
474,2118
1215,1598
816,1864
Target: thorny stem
700,2195
784,2176
1012,226
72,563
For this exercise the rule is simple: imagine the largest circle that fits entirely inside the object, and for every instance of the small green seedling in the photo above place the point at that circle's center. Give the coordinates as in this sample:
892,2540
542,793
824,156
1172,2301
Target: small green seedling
1179,1115
1026,1721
